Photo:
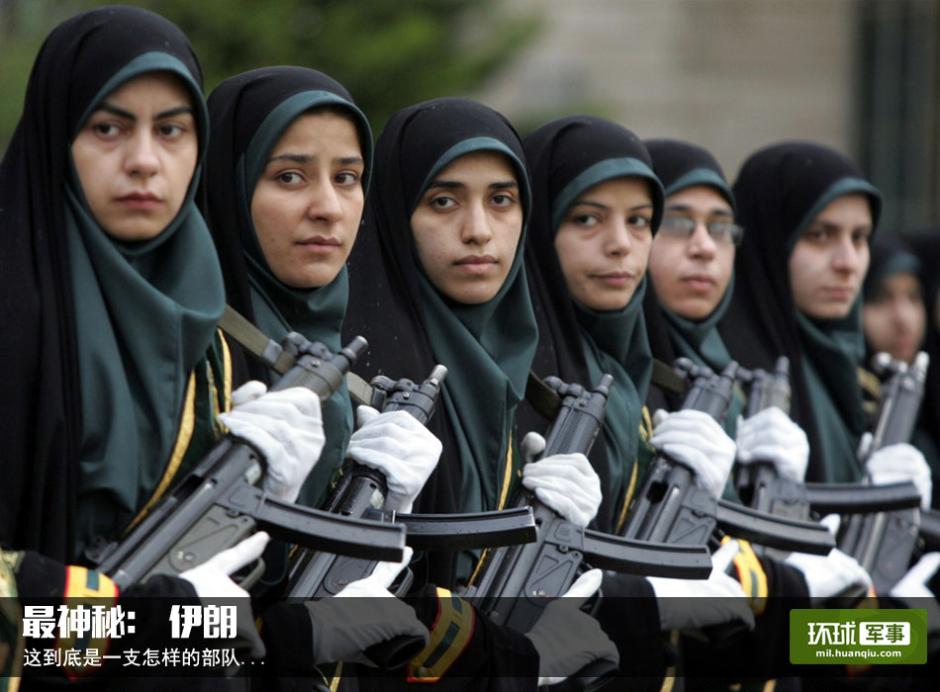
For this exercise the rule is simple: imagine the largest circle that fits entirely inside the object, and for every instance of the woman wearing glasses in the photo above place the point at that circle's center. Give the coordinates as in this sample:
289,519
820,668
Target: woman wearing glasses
596,206
691,268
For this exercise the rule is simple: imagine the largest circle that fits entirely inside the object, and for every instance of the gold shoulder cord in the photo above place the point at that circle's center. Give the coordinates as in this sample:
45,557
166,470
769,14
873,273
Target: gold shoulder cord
188,423
183,438
226,373
646,432
503,494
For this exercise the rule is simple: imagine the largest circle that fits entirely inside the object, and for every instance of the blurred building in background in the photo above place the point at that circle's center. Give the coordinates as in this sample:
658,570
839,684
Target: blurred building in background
733,75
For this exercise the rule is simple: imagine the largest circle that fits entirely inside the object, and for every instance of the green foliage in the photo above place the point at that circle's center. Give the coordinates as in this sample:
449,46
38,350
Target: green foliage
388,53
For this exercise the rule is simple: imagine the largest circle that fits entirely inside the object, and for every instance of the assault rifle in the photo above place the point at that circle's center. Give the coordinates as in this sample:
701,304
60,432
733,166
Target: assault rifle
884,542
516,583
218,503
760,486
670,508
362,492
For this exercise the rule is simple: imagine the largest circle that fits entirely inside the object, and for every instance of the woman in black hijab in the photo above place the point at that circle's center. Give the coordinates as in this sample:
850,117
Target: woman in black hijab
289,164
809,215
100,341
438,278
113,290
112,242
896,320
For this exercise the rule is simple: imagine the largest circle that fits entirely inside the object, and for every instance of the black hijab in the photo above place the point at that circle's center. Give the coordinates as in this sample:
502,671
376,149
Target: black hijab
249,113
926,246
567,157
41,414
411,326
779,190
681,165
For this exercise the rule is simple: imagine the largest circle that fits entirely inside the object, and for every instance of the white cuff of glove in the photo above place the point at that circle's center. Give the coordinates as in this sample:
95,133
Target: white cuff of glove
568,639
211,580
399,446
567,484
696,440
364,613
697,603
914,583
899,463
771,436
830,575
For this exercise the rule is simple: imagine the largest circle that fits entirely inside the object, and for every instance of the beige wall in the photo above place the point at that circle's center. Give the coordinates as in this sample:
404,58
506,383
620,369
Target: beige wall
731,75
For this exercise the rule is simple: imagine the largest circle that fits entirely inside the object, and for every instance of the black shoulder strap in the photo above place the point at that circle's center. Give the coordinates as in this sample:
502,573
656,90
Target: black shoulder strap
270,353
542,397
666,378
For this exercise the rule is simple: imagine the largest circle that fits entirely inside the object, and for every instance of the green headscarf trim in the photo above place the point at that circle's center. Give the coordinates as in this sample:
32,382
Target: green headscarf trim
488,349
615,341
699,340
702,176
899,263
145,314
833,351
316,313
599,172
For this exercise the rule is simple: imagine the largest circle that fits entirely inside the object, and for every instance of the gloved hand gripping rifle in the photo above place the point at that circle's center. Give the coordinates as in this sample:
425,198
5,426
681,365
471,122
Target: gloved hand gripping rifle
219,502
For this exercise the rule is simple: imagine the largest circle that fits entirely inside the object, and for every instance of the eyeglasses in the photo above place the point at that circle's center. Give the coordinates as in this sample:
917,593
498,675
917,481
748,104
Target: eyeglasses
682,227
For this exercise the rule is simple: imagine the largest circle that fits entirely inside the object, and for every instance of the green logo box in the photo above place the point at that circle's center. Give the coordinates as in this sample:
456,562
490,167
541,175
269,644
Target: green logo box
858,636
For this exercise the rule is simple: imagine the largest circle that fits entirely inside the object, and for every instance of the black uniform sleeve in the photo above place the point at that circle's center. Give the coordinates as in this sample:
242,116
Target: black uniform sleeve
628,614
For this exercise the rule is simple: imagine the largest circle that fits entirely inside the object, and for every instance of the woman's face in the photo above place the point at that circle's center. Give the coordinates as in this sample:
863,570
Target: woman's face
136,154
307,204
895,318
467,225
830,259
603,242
691,271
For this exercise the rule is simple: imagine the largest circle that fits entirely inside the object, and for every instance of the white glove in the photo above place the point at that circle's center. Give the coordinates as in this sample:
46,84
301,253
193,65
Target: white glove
565,482
696,440
287,429
568,639
899,463
211,578
396,444
362,614
717,600
833,574
211,581
914,583
771,436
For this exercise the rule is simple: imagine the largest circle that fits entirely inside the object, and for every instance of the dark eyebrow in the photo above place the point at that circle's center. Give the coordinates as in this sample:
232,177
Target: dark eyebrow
687,208
114,110
303,159
446,184
456,184
598,205
127,115
179,110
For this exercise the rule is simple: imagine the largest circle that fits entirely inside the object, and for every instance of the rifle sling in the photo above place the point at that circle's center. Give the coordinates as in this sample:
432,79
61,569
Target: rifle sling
270,353
542,397
666,378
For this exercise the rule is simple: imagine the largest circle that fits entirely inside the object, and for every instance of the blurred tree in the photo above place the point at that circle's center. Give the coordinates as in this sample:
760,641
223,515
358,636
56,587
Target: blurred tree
388,53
